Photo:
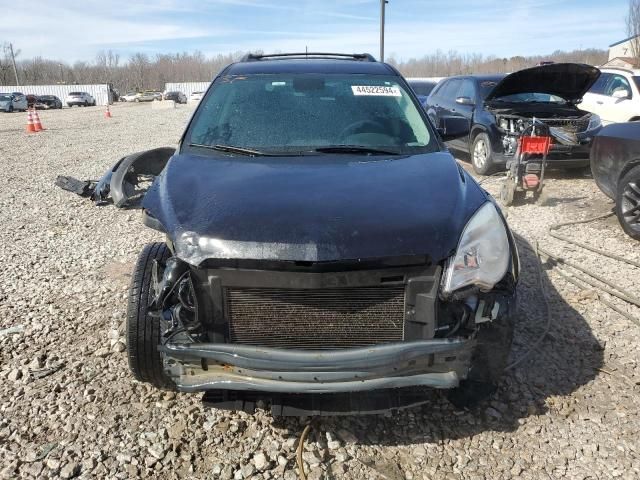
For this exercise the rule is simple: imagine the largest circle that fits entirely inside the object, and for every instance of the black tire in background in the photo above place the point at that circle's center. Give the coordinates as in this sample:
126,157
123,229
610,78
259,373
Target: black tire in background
143,330
481,154
628,203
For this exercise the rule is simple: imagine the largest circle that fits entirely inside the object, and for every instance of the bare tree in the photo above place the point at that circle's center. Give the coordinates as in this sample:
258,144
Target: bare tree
633,27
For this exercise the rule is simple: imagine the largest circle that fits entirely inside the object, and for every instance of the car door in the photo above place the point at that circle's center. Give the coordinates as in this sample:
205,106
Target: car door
465,103
433,102
619,100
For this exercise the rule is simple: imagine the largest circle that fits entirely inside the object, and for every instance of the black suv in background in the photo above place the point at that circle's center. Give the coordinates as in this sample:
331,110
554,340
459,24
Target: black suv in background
500,108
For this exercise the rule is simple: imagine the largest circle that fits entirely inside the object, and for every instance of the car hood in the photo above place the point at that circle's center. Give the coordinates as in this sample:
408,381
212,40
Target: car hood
569,81
314,208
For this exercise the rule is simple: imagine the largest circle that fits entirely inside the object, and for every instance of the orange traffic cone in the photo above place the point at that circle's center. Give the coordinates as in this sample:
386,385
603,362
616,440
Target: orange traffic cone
31,128
107,112
36,121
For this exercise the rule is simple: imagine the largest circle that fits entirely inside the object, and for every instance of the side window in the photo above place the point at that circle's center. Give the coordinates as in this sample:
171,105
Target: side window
437,91
618,83
450,90
468,89
600,84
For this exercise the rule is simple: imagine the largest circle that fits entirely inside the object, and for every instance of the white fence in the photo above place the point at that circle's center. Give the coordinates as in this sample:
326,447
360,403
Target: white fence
187,87
99,92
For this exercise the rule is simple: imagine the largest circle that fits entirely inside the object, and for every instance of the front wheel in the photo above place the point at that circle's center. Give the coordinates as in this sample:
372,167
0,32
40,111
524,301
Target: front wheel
482,155
628,203
10,109
143,329
488,363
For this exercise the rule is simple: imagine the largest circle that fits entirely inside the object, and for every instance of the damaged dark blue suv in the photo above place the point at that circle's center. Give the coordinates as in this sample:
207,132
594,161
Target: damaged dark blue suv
321,243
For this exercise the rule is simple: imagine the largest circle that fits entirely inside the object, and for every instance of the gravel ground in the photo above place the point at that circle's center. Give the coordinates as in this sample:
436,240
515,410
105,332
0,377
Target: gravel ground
69,407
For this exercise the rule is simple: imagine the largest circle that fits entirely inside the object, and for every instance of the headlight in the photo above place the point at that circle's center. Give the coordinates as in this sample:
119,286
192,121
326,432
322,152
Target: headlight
482,257
504,124
594,122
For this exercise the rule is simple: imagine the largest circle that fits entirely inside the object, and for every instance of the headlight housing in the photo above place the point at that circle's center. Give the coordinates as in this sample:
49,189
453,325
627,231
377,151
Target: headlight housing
483,253
594,122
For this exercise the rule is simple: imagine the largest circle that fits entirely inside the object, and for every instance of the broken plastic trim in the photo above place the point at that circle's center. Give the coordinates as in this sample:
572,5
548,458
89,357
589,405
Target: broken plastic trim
126,182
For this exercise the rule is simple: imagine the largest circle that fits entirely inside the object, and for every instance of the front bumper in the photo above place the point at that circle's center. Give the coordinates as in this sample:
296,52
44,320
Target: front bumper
438,363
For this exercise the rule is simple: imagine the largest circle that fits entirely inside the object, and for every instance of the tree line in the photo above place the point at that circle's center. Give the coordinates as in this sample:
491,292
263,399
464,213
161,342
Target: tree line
143,72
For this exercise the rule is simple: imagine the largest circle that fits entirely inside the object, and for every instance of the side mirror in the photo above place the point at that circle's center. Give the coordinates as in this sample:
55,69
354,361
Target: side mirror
453,127
621,94
465,101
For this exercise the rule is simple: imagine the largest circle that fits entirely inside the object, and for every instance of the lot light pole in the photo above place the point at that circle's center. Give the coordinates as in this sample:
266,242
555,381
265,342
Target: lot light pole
383,4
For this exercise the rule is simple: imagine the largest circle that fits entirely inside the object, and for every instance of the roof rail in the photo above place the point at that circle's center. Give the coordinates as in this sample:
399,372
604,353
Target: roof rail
254,57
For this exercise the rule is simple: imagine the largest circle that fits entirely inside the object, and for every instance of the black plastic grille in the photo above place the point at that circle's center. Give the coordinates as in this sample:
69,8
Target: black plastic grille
329,318
577,125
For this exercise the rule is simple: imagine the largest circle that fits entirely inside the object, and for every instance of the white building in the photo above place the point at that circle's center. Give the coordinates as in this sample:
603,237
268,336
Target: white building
625,48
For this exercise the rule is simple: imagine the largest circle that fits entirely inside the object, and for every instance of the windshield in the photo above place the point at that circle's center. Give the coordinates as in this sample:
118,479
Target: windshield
304,112
531,98
637,82
5,98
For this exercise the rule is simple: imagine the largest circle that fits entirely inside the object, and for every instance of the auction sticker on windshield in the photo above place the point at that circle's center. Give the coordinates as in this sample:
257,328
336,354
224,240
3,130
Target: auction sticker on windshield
376,91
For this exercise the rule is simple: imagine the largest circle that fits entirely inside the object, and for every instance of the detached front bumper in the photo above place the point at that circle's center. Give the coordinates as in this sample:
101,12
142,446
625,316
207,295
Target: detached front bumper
438,363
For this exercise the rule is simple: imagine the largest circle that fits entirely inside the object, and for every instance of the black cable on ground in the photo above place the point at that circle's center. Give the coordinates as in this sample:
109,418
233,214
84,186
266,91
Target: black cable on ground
564,238
573,280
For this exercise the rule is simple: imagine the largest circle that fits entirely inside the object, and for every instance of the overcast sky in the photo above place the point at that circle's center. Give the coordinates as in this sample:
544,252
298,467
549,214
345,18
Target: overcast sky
75,30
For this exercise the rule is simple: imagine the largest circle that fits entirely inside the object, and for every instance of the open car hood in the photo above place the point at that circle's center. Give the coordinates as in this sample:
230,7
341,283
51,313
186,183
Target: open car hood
569,81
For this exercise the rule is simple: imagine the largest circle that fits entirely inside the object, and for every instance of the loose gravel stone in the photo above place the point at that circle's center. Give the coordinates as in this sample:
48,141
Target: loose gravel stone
572,410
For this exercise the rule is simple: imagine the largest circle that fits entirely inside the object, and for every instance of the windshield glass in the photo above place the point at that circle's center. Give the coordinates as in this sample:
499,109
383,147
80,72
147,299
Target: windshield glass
303,112
637,81
531,97
5,98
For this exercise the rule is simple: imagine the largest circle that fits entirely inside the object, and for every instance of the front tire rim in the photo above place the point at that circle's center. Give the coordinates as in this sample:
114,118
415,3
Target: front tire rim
480,154
630,205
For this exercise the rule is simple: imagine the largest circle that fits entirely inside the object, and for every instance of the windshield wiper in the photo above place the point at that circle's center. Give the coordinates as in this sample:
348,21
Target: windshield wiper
231,149
355,149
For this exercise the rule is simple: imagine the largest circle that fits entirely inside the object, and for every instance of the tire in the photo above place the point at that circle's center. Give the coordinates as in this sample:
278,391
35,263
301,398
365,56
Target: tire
143,330
86,104
137,100
10,109
481,155
628,203
488,363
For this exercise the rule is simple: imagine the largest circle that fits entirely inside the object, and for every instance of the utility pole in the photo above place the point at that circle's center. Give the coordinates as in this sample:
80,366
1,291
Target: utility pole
13,60
383,4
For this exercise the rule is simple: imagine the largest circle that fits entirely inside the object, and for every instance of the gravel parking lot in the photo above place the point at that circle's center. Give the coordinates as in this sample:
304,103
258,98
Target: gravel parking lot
69,407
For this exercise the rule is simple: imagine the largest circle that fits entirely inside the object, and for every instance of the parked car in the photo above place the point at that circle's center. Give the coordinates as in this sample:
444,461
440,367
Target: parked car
615,166
498,108
615,97
320,239
80,99
422,88
14,101
177,97
129,96
147,96
157,96
195,96
45,102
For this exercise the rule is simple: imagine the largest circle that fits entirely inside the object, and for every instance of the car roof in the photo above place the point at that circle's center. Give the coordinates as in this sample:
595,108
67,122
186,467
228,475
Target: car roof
311,65
629,71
